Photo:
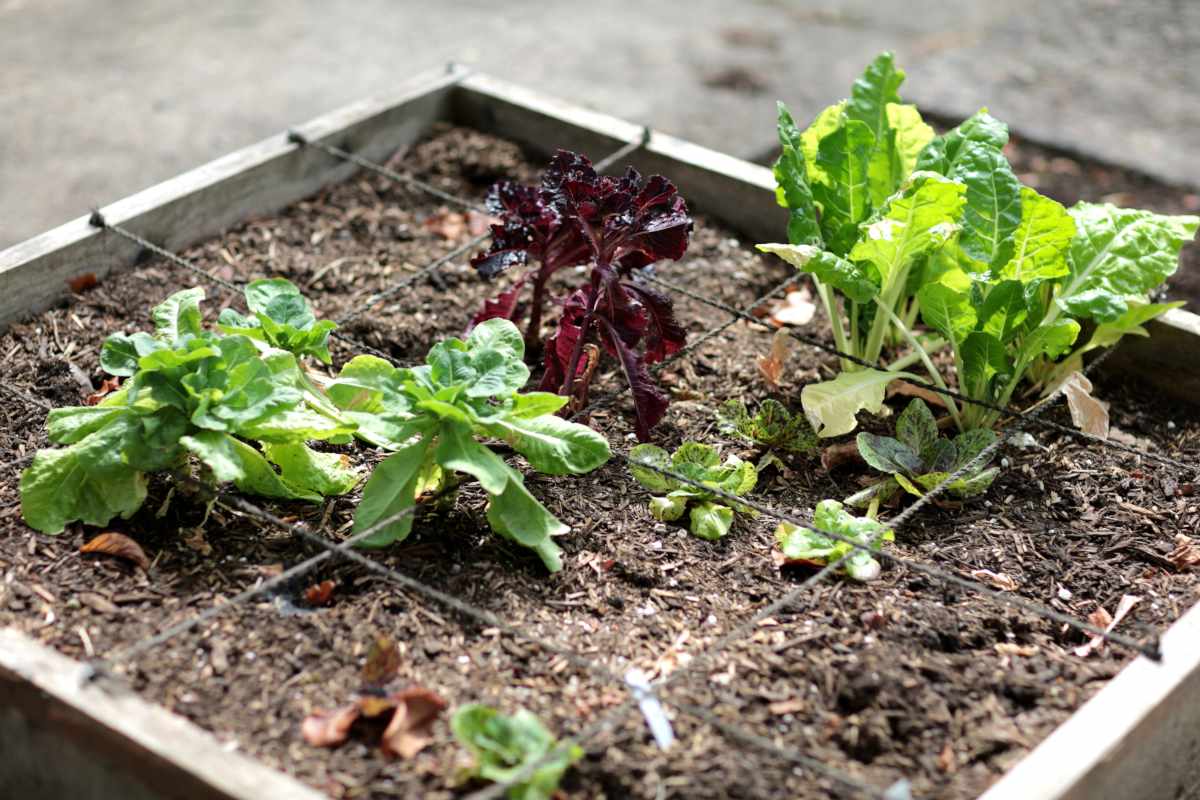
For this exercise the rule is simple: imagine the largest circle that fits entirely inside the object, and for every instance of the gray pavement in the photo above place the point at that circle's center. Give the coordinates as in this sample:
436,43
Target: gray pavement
99,99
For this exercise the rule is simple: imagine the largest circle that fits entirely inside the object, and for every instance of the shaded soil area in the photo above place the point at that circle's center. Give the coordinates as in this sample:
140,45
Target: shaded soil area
907,677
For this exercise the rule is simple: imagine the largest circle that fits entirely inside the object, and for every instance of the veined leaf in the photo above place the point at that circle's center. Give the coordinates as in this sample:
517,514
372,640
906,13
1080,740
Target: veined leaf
993,203
831,405
846,276
1041,240
912,135
516,514
178,316
1049,340
828,121
873,91
983,357
552,444
1119,254
391,490
943,152
305,469
888,455
1004,311
914,223
844,157
916,428
947,311
235,461
709,520
793,191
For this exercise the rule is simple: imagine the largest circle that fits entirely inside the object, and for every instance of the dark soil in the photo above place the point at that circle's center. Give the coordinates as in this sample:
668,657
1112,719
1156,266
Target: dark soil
905,677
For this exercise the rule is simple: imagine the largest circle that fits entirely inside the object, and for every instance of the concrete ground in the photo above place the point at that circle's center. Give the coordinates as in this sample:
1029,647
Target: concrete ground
100,99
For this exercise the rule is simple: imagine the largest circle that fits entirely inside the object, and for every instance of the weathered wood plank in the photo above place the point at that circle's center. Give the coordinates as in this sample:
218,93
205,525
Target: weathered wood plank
62,739
253,181
1139,737
1169,359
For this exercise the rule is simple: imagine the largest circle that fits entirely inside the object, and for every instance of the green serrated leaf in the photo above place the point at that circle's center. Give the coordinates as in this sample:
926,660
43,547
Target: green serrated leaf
916,428
844,158
1041,240
178,316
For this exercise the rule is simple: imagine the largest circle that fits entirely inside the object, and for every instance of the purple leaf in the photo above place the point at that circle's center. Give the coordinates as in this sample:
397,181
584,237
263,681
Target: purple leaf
664,334
502,306
649,402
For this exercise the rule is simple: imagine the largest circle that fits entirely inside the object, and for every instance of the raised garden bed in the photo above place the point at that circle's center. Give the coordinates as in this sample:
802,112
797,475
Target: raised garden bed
905,678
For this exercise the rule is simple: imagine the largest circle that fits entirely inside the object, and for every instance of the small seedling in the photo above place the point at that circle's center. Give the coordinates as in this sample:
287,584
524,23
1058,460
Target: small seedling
503,747
918,459
430,416
711,516
799,545
772,426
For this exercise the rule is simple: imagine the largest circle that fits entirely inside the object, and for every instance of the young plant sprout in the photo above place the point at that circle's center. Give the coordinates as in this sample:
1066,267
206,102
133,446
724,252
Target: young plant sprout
813,546
503,747
710,516
242,408
430,417
771,426
615,225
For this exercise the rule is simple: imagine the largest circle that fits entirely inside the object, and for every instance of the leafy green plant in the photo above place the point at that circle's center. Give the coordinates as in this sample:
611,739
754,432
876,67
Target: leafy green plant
189,392
800,545
282,318
711,516
430,416
772,426
503,747
918,458
894,223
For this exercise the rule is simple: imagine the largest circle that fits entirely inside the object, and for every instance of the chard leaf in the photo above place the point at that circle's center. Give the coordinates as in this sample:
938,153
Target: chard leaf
653,454
1041,240
391,490
844,157
1049,340
888,455
831,405
846,276
828,121
984,357
993,208
516,514
232,460
305,469
1130,323
553,445
1003,312
793,191
914,223
86,481
912,135
178,316
1119,254
916,428
710,520
942,153
947,311
873,91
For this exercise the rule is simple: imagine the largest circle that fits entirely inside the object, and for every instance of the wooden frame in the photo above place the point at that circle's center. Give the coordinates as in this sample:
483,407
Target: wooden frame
1138,737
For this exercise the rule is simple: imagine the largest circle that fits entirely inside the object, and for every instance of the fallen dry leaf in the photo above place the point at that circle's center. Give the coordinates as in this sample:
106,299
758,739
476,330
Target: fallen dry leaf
106,386
999,580
796,309
411,728
319,594
946,761
771,365
838,455
906,389
1102,619
781,707
196,541
82,283
450,225
1014,649
383,661
118,545
329,729
1089,414
1185,555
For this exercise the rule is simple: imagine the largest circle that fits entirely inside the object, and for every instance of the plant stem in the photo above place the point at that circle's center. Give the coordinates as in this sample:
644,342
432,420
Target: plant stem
873,509
584,330
829,300
533,332
927,361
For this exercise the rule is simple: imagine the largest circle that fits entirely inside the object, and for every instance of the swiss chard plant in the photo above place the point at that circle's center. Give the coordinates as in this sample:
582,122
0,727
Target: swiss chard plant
815,546
431,416
614,225
895,224
503,748
918,458
771,426
245,413
710,515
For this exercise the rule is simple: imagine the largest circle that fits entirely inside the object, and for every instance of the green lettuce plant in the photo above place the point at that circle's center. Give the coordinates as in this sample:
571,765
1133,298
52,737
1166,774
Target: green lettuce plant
801,545
503,747
711,516
430,417
282,318
245,415
771,426
918,459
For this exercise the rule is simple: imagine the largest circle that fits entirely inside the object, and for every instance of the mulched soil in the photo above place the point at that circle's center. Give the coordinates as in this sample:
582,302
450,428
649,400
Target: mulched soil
903,678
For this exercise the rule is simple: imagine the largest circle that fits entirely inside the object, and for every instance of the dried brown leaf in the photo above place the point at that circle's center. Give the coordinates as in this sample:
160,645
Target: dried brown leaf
82,283
1089,414
106,386
1102,619
411,728
329,729
999,580
383,661
450,225
771,365
906,389
118,545
796,309
319,594
1185,555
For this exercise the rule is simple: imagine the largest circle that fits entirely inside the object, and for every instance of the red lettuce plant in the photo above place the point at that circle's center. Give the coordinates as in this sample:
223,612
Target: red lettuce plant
617,225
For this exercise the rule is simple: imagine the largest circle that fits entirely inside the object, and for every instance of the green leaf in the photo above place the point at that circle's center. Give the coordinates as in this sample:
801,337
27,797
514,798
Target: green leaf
535,404
710,520
1050,340
120,354
846,276
1119,254
391,490
70,424
498,374
888,455
87,481
828,121
1129,323
772,426
993,203
552,444
844,157
505,747
232,460
808,545
671,506
499,335
1004,311
456,450
912,135
873,91
984,357
914,223
943,152
301,467
697,454
831,405
916,428
793,191
947,311
1041,240
655,455
517,515
969,444
178,316
734,476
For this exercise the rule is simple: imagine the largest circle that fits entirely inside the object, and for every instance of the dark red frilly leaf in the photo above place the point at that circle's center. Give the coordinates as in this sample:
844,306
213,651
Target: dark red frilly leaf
649,402
532,226
561,344
502,306
663,333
